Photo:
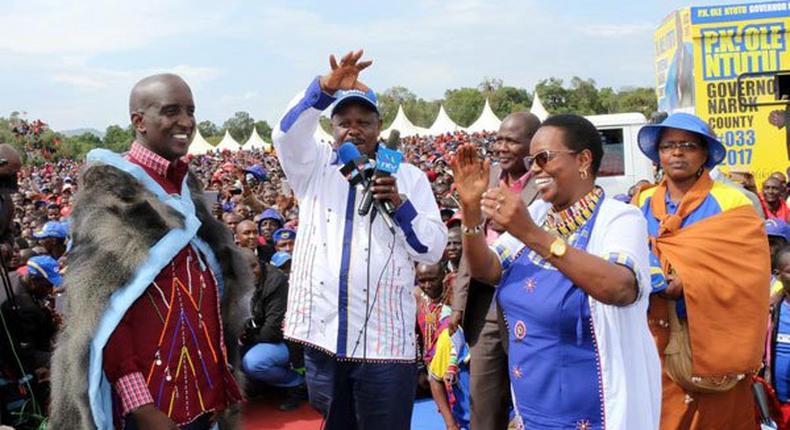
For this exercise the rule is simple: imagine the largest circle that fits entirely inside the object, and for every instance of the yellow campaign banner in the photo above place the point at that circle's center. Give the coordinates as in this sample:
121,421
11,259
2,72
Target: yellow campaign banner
726,42
674,63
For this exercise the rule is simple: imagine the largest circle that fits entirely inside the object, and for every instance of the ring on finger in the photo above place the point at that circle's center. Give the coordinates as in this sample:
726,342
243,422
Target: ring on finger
497,207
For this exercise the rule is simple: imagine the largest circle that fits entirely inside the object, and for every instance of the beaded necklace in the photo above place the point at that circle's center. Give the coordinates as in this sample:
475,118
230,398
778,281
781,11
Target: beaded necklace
567,221
432,316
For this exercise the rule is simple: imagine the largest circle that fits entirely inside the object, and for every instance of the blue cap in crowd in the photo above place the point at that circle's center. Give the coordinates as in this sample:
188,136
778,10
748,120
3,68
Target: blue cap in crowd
52,229
44,266
257,171
649,136
284,234
777,227
365,97
271,214
280,258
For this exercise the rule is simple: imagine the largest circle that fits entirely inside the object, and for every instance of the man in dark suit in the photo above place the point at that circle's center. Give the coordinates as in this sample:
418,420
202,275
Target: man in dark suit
473,302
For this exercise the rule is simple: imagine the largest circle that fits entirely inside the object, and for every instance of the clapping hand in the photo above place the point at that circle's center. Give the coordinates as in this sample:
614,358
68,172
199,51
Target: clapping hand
471,175
508,210
344,76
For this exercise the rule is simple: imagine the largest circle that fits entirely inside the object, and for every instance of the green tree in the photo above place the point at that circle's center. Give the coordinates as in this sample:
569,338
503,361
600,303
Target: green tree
389,100
76,147
490,86
422,113
264,129
464,105
208,128
117,139
638,100
583,97
506,100
400,95
609,99
554,95
239,126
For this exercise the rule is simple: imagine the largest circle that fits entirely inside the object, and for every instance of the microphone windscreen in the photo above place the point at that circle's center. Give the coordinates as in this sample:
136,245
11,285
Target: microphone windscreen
394,139
348,152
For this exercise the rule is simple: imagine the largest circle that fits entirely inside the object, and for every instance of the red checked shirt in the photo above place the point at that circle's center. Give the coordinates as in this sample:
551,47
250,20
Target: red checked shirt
168,349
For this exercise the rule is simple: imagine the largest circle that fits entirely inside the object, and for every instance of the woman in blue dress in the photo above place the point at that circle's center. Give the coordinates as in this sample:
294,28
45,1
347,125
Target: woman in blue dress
573,282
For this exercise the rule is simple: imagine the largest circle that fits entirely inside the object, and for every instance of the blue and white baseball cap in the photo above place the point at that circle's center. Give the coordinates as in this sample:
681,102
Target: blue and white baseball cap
284,234
44,266
257,171
367,98
280,258
778,228
52,229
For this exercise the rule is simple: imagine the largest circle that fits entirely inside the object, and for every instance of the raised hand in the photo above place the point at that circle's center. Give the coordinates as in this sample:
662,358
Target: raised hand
344,76
471,175
508,210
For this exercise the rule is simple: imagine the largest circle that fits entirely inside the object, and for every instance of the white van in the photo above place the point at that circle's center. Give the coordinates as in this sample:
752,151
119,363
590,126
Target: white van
623,163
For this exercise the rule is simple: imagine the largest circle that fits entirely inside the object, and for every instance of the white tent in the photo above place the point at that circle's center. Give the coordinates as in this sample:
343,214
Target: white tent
538,109
228,143
199,146
402,124
321,135
443,124
488,121
256,142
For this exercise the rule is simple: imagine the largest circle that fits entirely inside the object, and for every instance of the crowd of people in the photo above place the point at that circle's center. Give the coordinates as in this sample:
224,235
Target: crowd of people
647,304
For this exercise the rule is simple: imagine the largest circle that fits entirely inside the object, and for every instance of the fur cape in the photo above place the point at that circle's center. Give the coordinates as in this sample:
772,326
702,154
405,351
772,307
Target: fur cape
115,222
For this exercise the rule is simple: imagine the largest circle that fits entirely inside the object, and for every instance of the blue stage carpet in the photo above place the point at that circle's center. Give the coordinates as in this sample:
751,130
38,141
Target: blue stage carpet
426,416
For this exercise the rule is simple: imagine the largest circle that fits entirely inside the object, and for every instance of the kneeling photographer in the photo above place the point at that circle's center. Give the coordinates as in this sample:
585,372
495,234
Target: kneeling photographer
267,357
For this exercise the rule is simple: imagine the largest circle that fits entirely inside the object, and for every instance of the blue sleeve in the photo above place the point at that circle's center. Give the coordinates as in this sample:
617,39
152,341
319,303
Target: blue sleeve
313,98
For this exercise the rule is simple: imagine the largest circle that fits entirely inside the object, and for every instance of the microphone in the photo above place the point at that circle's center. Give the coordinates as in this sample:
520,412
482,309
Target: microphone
356,167
388,161
357,170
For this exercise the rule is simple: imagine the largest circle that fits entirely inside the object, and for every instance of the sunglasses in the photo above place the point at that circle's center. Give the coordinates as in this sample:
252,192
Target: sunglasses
543,157
666,147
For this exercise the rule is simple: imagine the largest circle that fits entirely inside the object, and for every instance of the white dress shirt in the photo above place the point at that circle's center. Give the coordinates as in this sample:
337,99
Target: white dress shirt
351,281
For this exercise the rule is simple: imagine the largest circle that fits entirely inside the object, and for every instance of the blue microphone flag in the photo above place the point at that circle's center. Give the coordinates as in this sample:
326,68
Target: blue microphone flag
388,160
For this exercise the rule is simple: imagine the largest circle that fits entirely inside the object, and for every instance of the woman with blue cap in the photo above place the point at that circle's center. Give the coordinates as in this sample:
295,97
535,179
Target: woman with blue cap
709,319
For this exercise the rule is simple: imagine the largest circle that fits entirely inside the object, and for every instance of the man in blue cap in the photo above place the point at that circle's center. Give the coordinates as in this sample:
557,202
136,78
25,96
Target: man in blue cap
270,221
34,322
284,240
268,358
256,172
52,237
282,261
351,299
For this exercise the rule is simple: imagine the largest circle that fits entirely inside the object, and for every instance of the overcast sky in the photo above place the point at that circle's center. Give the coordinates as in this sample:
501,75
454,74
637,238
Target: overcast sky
73,63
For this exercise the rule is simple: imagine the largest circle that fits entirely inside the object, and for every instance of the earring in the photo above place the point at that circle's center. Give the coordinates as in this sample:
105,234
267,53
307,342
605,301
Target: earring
699,172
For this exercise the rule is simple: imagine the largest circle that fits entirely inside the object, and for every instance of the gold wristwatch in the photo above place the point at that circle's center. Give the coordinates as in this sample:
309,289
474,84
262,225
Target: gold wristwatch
558,248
